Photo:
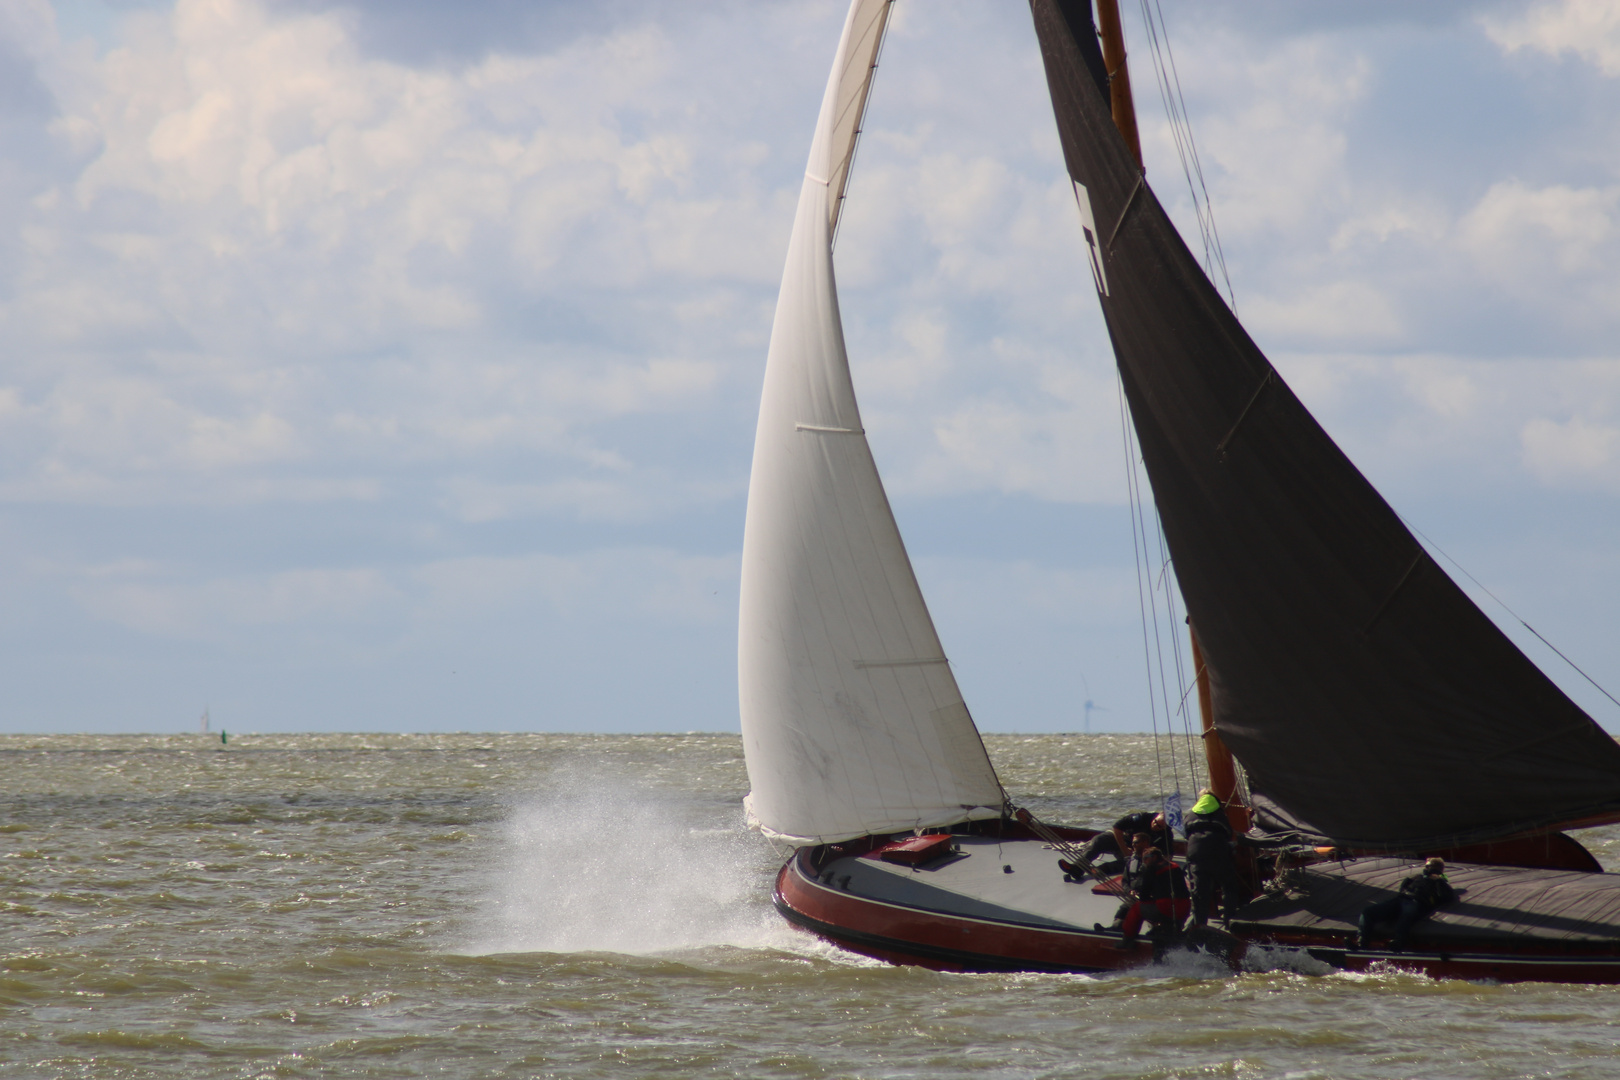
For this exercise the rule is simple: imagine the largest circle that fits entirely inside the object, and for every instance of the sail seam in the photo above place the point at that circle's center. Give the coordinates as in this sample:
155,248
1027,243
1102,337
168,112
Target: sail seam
1130,201
821,429
1399,585
902,663
1220,447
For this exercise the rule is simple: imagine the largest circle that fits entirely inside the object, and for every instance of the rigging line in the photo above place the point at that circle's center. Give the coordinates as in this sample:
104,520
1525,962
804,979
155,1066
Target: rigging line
1164,684
1197,164
1169,586
1139,505
1169,84
1171,113
1182,707
1511,612
1168,79
1198,168
1131,493
1057,843
1151,610
1176,642
1154,657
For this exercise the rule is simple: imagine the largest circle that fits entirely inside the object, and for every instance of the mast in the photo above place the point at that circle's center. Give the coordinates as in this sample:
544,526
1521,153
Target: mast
1222,768
1119,75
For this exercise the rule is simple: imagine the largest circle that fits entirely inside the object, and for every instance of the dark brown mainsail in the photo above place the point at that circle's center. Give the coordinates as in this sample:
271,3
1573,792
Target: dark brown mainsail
1369,700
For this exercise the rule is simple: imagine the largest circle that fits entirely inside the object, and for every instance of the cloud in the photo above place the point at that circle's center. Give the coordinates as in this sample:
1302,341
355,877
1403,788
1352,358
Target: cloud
361,333
204,610
1588,28
1521,233
1271,128
1552,252
633,496
1062,447
1573,453
392,607
1418,424
1338,311
262,244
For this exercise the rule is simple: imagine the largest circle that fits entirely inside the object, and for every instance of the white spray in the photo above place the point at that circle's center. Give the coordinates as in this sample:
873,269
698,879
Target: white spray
598,864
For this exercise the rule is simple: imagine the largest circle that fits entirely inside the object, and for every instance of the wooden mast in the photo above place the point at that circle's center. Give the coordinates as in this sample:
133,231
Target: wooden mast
1119,75
1222,769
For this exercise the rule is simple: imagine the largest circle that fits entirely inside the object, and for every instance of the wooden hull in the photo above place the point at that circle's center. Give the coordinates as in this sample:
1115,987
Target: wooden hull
1488,967
942,940
1012,911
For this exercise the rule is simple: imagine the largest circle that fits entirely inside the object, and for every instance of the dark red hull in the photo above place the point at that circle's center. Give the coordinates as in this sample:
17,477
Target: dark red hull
944,940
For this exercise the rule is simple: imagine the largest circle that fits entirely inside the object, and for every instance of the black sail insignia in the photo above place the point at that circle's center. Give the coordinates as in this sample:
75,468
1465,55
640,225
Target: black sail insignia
1369,700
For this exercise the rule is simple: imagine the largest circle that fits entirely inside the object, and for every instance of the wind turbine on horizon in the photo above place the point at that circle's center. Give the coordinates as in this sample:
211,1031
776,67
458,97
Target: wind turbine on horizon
1090,706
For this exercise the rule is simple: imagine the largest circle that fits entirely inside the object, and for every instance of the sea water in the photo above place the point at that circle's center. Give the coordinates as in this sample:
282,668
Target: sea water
592,906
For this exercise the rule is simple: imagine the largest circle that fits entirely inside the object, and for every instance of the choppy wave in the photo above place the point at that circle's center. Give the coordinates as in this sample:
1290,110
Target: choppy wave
578,906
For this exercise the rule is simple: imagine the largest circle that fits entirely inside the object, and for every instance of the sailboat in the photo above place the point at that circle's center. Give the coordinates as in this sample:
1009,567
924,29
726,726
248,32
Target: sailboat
1360,711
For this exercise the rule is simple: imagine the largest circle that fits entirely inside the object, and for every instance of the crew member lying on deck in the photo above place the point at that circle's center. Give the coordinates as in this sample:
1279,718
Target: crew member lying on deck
1116,842
1420,894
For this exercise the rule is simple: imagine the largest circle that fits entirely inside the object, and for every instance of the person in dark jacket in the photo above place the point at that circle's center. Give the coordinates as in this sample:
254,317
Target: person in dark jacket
1135,868
1160,888
1117,842
1419,896
1210,860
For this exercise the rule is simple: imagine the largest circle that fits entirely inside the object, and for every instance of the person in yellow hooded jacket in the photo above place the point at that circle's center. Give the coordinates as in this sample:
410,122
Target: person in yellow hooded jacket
1210,860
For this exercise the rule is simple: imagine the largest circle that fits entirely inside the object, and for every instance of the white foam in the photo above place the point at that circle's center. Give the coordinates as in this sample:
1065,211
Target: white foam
1261,958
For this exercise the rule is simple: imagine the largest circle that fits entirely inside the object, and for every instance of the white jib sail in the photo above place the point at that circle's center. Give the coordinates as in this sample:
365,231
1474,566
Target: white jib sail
851,719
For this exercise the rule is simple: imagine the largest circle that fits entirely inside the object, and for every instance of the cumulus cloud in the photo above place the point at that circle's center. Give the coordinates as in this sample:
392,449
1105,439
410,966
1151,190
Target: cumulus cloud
261,244
1588,28
1521,233
326,335
1063,446
1271,126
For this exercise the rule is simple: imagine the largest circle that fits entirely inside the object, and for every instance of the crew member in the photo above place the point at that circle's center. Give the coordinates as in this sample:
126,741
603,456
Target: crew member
1116,842
1210,860
1160,887
1419,895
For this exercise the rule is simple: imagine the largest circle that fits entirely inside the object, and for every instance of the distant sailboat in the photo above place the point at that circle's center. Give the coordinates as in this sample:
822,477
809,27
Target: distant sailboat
1376,712
202,723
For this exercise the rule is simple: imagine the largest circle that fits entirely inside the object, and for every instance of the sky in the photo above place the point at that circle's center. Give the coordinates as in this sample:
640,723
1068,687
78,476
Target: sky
393,365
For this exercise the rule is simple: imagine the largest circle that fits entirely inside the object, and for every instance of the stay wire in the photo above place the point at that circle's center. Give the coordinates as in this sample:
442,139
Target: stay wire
1158,646
1137,544
1169,83
1172,587
1175,107
1168,79
1510,611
